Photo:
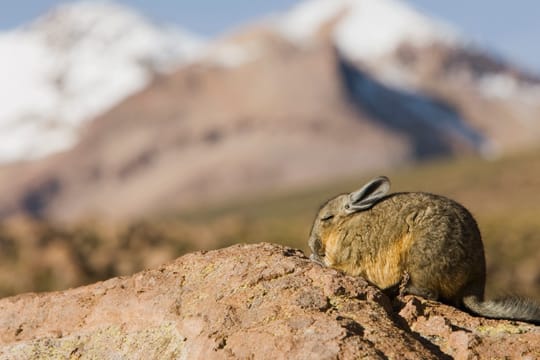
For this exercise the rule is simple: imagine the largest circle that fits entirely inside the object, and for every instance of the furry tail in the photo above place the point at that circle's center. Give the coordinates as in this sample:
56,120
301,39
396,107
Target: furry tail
511,308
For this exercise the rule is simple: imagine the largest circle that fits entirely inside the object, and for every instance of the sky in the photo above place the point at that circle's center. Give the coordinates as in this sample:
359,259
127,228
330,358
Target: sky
507,27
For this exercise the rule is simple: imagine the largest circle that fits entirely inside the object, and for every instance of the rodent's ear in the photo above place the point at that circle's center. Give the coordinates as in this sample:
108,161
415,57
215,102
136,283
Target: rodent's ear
368,195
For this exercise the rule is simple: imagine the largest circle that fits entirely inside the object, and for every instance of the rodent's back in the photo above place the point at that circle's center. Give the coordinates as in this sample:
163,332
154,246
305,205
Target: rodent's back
433,239
428,244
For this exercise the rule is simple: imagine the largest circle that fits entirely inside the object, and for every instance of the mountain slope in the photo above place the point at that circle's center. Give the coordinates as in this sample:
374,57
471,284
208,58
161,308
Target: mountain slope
71,65
408,51
262,110
208,133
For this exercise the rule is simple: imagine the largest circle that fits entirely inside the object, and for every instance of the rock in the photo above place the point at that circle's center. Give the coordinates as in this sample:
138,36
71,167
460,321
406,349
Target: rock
248,301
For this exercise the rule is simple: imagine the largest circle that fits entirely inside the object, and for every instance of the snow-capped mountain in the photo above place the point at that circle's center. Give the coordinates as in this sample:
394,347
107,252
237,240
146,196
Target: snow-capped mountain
372,32
332,88
415,53
74,63
367,29
81,59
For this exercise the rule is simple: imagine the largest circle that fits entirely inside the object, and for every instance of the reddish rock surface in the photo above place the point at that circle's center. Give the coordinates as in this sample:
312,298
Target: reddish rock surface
248,301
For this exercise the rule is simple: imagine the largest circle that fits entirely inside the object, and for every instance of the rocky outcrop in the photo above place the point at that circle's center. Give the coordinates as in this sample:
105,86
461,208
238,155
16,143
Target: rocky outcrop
248,301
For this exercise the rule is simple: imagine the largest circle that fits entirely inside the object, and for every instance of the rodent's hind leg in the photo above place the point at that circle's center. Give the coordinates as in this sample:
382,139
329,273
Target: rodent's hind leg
407,286
426,293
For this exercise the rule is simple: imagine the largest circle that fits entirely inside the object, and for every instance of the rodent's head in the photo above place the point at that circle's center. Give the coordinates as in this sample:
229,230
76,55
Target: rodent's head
336,210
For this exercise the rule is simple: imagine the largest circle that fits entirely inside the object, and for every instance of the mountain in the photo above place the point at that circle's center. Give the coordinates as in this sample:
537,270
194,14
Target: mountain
367,29
332,88
71,65
405,50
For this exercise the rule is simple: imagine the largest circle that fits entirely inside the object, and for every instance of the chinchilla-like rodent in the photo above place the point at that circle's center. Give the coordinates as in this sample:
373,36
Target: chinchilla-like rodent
427,241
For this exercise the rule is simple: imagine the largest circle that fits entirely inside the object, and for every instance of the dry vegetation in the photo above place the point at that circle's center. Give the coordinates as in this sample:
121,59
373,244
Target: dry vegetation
502,194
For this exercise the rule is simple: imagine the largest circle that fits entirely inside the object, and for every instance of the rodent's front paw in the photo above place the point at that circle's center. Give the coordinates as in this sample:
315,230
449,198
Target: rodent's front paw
316,259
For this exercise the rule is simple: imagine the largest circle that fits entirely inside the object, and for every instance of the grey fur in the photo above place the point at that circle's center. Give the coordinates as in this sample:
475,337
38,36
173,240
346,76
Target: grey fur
368,195
429,239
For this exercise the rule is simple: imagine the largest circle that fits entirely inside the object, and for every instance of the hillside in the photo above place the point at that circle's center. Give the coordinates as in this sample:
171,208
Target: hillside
269,108
502,195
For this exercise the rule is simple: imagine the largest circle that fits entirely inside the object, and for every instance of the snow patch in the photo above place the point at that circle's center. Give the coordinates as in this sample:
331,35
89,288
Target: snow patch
374,28
73,64
303,22
368,28
504,86
499,86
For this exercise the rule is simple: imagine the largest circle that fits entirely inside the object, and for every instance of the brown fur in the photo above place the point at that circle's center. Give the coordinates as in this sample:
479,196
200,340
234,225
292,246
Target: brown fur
432,239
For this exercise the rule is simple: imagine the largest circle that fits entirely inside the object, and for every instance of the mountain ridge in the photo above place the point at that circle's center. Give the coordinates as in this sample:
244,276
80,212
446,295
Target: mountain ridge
256,111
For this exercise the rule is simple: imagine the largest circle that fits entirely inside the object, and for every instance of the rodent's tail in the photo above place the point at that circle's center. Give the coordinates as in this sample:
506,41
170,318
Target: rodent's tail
511,308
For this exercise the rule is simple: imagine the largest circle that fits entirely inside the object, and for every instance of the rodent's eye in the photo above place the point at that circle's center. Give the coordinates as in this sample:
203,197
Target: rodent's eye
327,217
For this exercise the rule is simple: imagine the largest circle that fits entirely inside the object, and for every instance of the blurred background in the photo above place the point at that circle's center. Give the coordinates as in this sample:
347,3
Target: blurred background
133,132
